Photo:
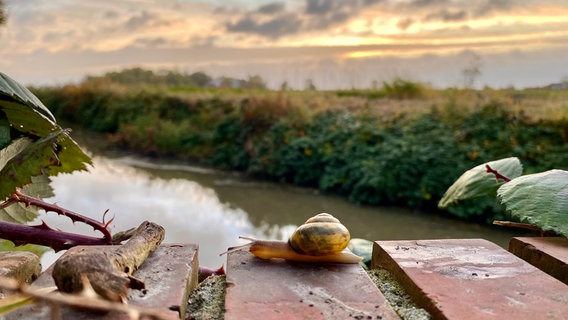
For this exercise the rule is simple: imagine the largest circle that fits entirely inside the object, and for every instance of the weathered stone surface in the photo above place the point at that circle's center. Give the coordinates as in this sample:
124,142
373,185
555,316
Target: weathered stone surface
472,279
169,273
549,254
20,265
278,289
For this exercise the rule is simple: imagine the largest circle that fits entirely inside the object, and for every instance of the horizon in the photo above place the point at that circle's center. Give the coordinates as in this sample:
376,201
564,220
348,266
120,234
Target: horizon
335,44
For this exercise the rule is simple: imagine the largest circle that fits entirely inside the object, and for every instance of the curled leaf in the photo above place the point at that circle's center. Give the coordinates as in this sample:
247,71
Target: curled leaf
539,199
477,182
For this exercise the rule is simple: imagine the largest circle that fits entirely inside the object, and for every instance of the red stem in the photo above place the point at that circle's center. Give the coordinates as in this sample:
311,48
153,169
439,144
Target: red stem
44,235
75,217
496,173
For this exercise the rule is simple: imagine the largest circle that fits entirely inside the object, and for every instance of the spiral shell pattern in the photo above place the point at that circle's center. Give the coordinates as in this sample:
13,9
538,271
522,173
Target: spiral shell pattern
322,234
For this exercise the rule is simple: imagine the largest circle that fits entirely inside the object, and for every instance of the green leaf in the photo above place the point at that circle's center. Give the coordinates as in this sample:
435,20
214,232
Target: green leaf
477,182
6,245
539,199
19,212
55,152
12,90
26,160
5,136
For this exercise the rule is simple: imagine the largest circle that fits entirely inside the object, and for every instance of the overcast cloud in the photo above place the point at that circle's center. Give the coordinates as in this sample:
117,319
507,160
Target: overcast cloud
337,44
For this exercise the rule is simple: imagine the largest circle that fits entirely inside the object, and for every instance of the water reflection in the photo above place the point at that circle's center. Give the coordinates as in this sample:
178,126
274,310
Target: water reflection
187,210
212,208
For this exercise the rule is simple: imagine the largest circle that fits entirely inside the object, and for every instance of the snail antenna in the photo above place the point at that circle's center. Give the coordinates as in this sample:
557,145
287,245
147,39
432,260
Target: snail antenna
242,247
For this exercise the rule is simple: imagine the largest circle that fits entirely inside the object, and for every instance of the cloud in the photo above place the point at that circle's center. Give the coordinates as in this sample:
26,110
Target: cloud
273,28
272,8
405,23
315,15
447,16
492,6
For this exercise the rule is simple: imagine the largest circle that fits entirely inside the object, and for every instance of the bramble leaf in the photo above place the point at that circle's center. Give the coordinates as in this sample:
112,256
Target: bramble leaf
45,148
18,95
477,182
539,199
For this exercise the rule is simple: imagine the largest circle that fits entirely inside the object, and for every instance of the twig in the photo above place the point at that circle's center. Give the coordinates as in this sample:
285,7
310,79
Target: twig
43,235
516,225
86,299
108,269
75,217
525,226
496,173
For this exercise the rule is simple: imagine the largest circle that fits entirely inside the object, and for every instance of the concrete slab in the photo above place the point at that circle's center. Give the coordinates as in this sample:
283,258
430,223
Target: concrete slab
169,273
279,289
549,254
472,279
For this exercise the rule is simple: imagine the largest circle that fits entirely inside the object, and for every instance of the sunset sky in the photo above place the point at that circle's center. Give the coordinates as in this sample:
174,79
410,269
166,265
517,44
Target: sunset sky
337,44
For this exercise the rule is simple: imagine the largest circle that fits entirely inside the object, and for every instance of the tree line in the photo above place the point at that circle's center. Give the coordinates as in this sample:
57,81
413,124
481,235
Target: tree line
139,76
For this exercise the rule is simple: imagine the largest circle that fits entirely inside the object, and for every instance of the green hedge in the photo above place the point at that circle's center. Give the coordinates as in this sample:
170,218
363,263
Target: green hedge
369,158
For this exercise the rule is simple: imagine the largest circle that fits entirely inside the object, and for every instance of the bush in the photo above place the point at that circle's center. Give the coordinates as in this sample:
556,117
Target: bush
407,160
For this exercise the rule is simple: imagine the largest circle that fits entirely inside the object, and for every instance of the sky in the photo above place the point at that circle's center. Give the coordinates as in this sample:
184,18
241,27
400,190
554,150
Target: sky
335,44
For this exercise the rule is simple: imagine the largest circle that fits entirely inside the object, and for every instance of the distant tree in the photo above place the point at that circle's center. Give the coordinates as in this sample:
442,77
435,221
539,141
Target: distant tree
175,79
310,86
255,82
472,71
132,76
284,86
201,79
375,85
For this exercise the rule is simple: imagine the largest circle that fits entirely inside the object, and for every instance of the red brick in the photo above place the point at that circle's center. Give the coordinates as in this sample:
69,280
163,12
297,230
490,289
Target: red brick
549,254
169,273
472,279
279,289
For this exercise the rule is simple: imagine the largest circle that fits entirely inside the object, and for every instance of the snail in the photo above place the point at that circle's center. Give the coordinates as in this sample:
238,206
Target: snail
322,238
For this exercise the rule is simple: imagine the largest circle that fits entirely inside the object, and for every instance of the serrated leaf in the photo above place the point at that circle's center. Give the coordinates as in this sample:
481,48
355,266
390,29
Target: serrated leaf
71,156
12,90
6,245
28,115
477,182
19,212
539,199
28,160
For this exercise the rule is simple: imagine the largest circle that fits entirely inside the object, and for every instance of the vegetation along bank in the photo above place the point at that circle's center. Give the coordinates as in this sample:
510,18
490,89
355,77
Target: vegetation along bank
404,144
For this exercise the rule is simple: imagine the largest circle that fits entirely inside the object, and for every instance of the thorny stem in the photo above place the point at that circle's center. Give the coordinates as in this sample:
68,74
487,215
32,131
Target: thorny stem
496,173
44,235
75,217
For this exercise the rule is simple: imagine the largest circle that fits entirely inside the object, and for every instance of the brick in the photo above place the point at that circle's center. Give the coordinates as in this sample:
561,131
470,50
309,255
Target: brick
20,265
169,273
549,254
279,289
472,279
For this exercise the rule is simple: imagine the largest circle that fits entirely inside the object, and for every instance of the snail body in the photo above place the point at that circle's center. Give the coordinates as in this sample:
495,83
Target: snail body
321,239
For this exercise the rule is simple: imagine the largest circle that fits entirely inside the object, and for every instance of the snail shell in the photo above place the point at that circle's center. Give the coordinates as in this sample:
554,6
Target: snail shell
321,239
320,235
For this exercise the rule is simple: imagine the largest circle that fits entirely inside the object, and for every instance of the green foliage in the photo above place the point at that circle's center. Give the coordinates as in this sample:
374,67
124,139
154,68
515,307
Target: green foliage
365,154
368,94
539,199
403,89
36,144
6,245
477,182
32,147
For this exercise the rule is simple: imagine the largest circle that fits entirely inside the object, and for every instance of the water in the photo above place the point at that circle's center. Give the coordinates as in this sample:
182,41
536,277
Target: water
212,208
